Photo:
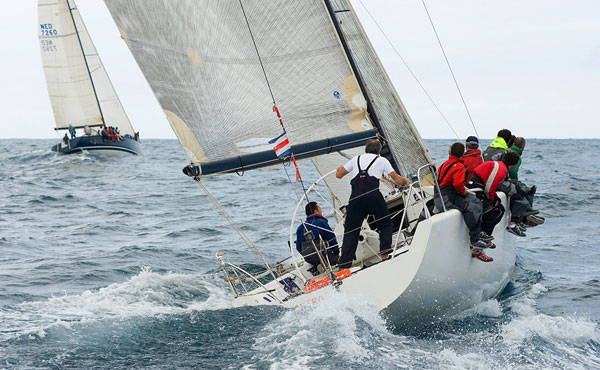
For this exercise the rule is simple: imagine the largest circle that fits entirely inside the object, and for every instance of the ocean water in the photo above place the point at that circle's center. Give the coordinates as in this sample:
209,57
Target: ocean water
110,263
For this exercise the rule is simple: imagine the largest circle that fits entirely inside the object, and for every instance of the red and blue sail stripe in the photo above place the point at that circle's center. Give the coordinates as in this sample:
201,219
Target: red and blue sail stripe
282,146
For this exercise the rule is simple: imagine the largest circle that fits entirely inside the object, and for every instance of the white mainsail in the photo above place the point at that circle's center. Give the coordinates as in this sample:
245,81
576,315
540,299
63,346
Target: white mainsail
80,90
201,63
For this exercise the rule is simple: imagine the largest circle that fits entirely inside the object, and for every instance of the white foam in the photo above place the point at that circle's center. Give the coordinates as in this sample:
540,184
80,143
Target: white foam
549,328
449,359
569,335
349,329
145,294
489,308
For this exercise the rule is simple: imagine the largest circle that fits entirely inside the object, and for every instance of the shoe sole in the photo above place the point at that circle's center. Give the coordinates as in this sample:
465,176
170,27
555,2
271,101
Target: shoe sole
531,213
479,248
515,233
535,219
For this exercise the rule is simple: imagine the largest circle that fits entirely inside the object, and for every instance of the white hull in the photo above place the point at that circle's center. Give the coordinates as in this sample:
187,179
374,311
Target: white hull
433,277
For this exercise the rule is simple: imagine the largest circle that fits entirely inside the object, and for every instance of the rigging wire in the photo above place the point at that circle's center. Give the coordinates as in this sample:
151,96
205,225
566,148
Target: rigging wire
450,68
290,181
266,78
409,70
257,53
236,227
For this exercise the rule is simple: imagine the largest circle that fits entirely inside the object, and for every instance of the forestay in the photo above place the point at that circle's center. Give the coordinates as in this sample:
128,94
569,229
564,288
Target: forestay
80,93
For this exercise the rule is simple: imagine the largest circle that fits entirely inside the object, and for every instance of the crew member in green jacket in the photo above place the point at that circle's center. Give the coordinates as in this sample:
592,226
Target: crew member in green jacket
518,148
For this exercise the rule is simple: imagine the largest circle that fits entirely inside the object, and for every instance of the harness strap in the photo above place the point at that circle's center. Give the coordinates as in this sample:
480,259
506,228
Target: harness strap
441,177
369,166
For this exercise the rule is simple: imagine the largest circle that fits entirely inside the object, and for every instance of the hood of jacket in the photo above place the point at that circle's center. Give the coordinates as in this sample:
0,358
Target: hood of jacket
499,143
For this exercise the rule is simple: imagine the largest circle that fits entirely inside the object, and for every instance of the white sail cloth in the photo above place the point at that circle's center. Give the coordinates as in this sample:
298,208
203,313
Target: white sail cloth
201,62
80,91
406,144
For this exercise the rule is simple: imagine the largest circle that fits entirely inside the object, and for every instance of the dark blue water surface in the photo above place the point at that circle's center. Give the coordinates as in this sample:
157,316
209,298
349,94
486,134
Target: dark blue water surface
110,263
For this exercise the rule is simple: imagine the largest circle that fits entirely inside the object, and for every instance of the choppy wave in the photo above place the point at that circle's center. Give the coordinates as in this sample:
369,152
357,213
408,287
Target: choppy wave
74,231
145,294
359,337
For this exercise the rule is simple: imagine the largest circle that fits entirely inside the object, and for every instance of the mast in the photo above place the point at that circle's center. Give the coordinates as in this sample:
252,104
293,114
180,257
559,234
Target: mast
370,108
85,60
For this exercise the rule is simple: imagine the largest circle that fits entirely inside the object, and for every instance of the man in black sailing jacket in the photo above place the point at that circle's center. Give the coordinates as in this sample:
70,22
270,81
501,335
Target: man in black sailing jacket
366,199
322,235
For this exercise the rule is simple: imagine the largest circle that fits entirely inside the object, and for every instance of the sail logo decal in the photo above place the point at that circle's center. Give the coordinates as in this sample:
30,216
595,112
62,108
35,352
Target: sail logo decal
48,45
48,30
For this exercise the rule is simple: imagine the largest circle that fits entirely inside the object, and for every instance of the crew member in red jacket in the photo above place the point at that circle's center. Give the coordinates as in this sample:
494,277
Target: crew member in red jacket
451,179
485,182
472,157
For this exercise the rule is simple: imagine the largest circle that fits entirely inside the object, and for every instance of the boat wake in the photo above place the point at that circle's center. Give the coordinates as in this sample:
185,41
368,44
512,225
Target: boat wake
145,294
309,335
499,333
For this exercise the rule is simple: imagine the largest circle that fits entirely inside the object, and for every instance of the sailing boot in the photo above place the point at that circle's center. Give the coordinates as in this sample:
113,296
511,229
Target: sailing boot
515,230
486,237
479,245
480,255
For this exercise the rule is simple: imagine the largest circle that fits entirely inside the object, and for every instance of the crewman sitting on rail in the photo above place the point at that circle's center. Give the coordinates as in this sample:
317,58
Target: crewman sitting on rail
486,180
472,157
316,232
521,196
451,179
498,147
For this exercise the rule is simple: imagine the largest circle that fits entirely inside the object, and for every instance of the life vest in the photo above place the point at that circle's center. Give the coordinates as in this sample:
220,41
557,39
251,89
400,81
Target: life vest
309,242
363,182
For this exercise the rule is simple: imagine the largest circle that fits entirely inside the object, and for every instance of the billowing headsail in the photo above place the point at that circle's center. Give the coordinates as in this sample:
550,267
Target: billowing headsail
80,91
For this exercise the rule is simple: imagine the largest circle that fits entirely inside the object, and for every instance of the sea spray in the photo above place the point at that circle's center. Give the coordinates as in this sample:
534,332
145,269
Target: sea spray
145,294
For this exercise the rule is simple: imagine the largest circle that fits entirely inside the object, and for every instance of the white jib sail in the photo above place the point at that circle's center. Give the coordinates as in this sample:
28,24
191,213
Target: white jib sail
80,91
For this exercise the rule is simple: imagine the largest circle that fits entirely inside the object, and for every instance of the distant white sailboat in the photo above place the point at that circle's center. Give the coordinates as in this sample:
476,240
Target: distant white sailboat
81,94
208,61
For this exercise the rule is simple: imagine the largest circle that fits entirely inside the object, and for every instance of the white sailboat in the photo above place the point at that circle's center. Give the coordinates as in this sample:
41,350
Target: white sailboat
220,68
81,94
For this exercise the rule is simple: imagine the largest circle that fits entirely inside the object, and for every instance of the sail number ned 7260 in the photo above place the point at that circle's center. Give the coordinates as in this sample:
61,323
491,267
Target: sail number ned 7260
48,30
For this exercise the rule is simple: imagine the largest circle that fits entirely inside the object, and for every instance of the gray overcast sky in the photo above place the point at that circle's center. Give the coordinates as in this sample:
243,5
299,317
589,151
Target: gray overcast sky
531,66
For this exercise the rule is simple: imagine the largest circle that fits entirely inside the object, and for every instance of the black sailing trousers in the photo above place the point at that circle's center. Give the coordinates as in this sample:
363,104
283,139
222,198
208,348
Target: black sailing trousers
470,206
371,203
